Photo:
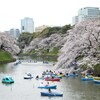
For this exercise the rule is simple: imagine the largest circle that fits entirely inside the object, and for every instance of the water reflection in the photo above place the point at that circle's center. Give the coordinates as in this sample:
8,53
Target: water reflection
7,68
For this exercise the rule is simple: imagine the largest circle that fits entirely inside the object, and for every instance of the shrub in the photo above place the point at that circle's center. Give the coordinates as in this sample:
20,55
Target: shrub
96,70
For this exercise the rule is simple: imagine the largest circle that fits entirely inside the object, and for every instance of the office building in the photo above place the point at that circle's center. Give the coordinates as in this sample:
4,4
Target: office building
15,33
75,20
27,25
87,13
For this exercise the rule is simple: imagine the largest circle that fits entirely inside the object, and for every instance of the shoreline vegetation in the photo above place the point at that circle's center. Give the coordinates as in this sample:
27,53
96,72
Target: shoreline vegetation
44,54
6,57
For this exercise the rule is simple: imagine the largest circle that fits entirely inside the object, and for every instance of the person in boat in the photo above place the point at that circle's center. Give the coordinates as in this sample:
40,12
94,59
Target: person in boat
29,74
37,77
49,90
61,73
52,77
67,74
74,73
47,84
43,73
41,84
46,70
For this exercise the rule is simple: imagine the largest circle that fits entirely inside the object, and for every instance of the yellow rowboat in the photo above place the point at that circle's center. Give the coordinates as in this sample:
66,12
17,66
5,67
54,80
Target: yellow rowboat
62,75
96,78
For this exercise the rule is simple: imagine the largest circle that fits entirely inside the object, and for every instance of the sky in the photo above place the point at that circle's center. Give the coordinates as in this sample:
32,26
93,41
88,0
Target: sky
43,12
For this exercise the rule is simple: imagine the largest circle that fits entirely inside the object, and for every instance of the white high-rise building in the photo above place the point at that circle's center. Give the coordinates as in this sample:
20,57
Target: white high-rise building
75,20
27,25
86,13
15,33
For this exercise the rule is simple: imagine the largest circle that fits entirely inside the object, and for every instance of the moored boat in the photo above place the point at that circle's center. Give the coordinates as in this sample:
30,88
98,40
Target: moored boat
58,77
51,94
87,79
71,74
96,78
7,79
97,81
48,87
52,79
28,76
54,76
62,75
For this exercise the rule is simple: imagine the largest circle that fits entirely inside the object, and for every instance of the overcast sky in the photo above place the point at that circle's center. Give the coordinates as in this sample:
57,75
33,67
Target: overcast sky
43,12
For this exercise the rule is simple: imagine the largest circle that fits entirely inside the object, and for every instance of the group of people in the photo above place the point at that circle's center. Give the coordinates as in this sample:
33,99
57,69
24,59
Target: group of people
49,90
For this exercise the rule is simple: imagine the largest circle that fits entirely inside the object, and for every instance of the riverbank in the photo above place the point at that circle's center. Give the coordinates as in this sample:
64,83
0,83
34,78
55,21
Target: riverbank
6,57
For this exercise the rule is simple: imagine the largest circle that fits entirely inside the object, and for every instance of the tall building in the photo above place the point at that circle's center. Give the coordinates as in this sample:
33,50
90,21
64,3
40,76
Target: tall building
75,20
86,13
27,25
15,33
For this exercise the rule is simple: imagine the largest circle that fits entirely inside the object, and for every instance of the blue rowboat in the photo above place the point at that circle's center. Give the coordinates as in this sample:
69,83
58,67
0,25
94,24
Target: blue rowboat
58,77
51,74
55,76
71,74
97,81
87,79
51,94
7,79
48,87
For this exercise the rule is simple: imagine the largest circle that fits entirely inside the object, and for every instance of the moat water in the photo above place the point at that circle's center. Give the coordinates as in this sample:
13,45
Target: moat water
72,88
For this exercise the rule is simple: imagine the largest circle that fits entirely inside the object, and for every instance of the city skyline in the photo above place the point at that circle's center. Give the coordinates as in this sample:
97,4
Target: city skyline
43,12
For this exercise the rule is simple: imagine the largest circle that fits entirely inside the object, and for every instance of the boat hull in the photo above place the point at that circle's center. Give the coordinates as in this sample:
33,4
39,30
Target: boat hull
48,87
7,79
28,77
87,79
9,82
71,75
55,79
96,78
97,81
51,94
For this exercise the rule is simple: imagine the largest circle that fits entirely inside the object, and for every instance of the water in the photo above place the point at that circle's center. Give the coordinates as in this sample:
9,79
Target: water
72,88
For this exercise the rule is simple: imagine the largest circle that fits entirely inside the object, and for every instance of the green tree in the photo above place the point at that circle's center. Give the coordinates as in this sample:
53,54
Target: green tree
65,28
96,70
25,39
49,31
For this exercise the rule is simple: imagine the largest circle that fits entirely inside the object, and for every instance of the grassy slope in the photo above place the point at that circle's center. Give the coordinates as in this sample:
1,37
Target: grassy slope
5,56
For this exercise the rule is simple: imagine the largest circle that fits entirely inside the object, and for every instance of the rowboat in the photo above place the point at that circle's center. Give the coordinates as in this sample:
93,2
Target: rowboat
87,79
7,79
97,81
52,79
96,78
48,87
71,74
28,76
51,94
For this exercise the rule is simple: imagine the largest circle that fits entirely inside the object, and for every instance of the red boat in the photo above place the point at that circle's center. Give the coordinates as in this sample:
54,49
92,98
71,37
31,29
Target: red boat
52,79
